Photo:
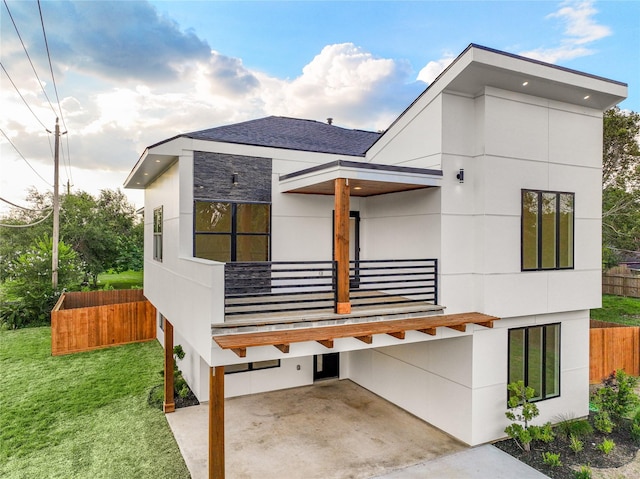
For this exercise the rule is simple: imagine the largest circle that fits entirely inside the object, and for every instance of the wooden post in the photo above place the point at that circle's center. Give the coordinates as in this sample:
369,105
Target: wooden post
341,245
169,405
216,423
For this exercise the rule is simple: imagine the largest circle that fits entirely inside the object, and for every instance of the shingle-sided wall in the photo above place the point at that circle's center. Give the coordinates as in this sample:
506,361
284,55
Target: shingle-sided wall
213,175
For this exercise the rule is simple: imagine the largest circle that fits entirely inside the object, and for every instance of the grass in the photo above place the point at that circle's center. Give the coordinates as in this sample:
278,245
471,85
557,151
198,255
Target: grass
82,415
125,280
618,309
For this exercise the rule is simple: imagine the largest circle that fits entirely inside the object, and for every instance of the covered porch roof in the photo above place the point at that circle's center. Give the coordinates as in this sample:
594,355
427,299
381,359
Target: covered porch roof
325,335
365,179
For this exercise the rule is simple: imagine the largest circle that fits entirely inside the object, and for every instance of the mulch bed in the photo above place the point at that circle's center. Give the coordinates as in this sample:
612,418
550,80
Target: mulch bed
624,452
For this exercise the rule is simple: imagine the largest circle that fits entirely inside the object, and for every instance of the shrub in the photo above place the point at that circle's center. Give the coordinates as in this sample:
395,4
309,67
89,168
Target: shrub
551,459
635,427
574,427
575,444
521,410
583,473
542,433
617,397
606,446
603,423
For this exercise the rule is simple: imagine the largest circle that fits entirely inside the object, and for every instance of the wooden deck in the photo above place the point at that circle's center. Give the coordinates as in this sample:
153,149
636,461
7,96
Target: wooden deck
363,331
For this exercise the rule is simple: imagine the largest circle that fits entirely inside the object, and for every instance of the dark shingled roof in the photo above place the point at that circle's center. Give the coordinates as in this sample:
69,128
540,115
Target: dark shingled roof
292,134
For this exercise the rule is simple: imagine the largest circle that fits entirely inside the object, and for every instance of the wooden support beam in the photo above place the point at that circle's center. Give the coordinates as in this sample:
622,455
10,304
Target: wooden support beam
429,331
168,405
341,244
397,334
365,339
458,327
216,422
327,343
283,347
241,352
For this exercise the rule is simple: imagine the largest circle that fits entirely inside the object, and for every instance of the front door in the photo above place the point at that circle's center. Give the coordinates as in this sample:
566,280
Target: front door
326,366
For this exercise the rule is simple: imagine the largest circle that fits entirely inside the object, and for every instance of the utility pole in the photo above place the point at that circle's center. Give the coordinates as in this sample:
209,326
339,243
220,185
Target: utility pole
56,209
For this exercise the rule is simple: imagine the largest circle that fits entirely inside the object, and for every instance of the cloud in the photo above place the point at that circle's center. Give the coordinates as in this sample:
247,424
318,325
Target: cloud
118,39
346,83
431,71
580,30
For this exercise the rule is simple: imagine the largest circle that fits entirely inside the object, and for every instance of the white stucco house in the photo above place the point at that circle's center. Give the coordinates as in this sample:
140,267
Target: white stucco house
432,263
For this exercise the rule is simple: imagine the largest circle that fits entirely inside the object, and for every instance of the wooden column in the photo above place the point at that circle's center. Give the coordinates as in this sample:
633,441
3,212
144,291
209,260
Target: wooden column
341,244
169,405
216,423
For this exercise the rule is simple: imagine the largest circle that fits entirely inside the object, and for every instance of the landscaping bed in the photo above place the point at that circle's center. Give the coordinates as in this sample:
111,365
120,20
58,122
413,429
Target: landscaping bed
623,453
603,445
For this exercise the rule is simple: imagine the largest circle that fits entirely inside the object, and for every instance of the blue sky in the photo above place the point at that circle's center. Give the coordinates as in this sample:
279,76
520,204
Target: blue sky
131,73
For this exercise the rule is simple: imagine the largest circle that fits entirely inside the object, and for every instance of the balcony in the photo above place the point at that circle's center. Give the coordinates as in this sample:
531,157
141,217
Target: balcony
303,291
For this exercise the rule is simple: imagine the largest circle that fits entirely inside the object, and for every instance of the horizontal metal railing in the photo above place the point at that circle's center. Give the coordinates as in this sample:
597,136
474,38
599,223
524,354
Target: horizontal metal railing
297,286
279,287
397,281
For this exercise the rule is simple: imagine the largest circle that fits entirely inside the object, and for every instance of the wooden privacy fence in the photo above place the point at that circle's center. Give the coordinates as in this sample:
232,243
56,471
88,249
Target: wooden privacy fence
98,319
621,281
612,347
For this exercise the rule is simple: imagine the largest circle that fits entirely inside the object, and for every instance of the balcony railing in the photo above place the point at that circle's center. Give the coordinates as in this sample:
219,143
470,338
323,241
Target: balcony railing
296,287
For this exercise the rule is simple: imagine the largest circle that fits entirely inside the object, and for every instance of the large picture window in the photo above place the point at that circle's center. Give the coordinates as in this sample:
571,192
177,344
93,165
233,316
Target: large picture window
534,357
547,230
232,231
157,234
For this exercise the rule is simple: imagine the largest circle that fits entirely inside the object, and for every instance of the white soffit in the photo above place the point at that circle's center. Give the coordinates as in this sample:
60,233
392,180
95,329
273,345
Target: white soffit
365,179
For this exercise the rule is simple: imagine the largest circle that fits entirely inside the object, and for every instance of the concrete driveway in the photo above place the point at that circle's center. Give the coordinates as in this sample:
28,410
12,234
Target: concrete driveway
333,429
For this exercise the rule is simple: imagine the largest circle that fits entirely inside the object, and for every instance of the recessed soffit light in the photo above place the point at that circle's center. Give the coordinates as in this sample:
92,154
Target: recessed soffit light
525,83
587,97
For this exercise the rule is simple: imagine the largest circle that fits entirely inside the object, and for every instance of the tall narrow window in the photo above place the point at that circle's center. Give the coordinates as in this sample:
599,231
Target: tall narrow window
157,234
232,231
547,230
534,357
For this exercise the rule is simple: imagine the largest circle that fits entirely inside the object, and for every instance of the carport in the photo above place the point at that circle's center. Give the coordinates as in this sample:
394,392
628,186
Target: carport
332,429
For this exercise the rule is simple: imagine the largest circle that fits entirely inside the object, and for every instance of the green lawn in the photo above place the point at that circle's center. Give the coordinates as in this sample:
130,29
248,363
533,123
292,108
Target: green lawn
83,415
125,280
618,309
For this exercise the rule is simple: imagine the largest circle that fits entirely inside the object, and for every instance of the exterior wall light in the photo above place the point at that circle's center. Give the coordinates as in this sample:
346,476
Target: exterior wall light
460,175
234,179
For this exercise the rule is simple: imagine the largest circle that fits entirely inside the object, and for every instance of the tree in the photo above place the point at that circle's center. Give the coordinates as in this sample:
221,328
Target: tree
29,294
621,183
104,231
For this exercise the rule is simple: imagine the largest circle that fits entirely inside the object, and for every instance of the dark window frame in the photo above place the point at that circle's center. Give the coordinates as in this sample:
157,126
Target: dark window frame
251,367
557,238
158,226
525,353
233,234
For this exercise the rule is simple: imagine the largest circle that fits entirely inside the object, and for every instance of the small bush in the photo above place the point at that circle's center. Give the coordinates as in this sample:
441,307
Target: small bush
551,459
635,428
542,433
617,397
183,392
606,446
156,396
603,423
579,428
521,410
583,473
575,444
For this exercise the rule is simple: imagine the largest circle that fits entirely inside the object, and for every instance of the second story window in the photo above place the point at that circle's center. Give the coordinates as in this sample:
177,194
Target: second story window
547,230
232,231
157,234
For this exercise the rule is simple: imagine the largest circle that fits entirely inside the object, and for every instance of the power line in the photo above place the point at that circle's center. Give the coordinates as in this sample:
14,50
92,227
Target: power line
53,79
25,101
28,57
31,224
22,156
23,207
